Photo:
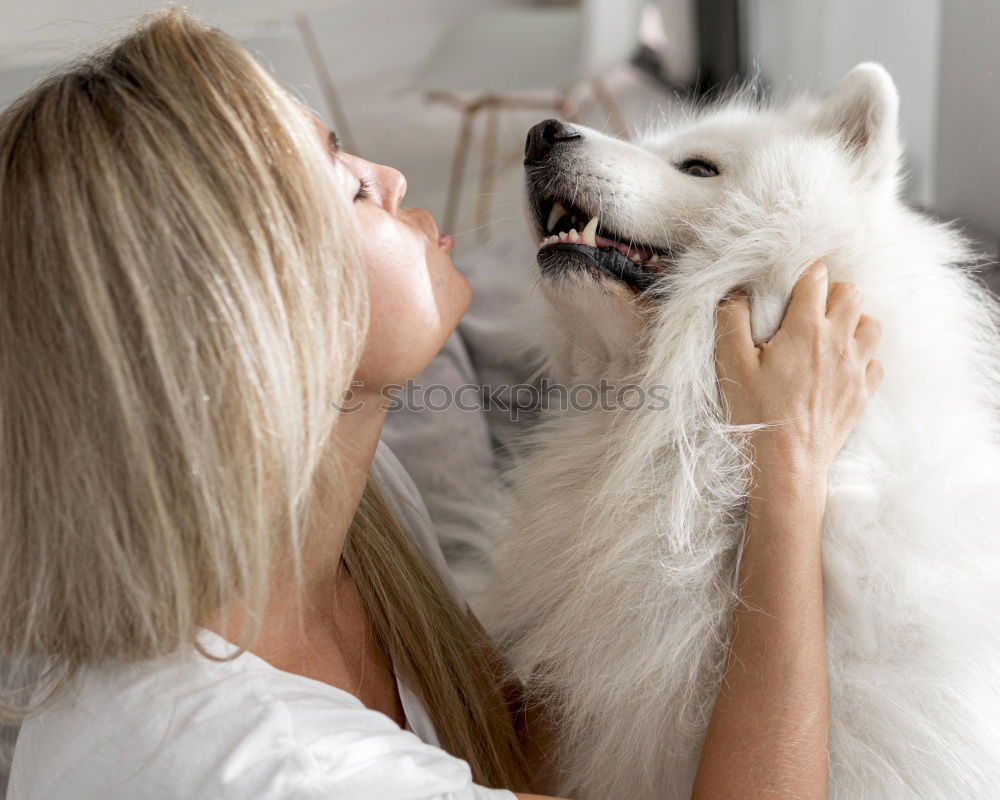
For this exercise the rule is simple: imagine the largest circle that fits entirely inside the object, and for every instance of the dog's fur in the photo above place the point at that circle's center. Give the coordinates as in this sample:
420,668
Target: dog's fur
617,576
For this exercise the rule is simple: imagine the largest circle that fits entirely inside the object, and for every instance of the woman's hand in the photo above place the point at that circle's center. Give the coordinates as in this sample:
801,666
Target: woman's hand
811,381
769,728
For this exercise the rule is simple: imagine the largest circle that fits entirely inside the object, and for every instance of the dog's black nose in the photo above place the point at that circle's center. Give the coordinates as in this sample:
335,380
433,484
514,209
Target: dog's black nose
546,135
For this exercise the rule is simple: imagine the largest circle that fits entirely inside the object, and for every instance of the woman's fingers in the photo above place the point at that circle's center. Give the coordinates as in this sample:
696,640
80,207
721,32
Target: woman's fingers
808,303
843,306
867,334
734,342
873,376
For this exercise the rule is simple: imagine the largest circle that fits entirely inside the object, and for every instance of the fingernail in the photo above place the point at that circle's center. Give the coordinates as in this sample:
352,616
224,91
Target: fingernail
821,270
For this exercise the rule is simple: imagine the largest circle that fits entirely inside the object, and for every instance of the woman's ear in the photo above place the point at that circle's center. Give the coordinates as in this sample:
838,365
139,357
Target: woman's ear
863,113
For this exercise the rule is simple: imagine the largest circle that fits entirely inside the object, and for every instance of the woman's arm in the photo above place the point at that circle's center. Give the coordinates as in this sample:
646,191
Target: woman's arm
768,733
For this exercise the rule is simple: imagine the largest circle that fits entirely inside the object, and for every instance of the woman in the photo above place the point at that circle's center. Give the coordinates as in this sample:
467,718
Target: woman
198,569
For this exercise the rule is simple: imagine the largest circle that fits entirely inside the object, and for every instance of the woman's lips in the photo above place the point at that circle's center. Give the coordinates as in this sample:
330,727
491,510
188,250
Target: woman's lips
445,240
430,227
424,221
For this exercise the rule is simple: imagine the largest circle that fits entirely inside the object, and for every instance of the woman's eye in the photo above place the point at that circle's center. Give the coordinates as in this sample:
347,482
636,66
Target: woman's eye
698,168
364,190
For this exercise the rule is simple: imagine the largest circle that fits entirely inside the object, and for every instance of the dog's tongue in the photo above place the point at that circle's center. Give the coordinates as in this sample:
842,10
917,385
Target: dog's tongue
634,253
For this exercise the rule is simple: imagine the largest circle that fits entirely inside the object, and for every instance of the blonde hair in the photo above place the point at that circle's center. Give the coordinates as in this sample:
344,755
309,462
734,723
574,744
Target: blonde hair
181,298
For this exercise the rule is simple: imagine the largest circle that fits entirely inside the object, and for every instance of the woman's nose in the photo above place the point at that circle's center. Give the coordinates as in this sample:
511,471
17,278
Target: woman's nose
393,185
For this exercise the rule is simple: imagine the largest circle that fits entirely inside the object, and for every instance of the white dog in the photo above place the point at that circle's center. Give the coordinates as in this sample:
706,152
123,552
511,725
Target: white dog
616,580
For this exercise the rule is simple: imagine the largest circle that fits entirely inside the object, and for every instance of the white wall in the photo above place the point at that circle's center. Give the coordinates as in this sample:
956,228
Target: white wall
968,166
808,45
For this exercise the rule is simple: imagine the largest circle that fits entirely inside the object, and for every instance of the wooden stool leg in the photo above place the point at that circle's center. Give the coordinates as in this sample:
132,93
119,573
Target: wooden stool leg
608,104
458,168
487,176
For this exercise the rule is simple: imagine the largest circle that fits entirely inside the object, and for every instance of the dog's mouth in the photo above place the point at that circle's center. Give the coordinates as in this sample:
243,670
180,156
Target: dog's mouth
574,238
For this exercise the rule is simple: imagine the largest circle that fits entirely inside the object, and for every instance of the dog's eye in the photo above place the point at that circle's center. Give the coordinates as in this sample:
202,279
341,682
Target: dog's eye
698,168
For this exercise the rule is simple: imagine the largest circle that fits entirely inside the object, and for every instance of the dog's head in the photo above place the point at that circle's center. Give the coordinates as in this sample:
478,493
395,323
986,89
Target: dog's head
738,196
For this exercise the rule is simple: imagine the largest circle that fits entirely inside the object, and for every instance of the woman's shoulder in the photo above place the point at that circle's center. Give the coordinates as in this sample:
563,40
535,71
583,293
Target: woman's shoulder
187,726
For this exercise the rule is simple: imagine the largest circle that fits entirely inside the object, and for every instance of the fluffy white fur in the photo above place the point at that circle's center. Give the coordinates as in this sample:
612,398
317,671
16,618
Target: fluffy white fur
616,579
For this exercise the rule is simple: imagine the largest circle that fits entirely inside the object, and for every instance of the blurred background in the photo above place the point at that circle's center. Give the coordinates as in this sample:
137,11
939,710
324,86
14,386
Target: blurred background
446,89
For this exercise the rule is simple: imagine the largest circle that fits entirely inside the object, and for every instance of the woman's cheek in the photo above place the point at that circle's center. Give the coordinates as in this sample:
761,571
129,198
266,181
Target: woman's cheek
400,284
417,298
384,246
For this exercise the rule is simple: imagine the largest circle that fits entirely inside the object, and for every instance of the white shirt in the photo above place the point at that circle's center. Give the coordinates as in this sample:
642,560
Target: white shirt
185,726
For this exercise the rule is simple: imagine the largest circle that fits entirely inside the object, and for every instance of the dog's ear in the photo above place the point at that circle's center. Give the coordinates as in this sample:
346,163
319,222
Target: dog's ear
863,113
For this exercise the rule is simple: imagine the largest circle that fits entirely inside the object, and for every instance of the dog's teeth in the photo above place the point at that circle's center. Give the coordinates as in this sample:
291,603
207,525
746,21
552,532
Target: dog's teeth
573,235
556,214
563,236
589,233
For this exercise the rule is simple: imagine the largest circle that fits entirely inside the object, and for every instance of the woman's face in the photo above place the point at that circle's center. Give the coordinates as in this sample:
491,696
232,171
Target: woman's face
417,296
